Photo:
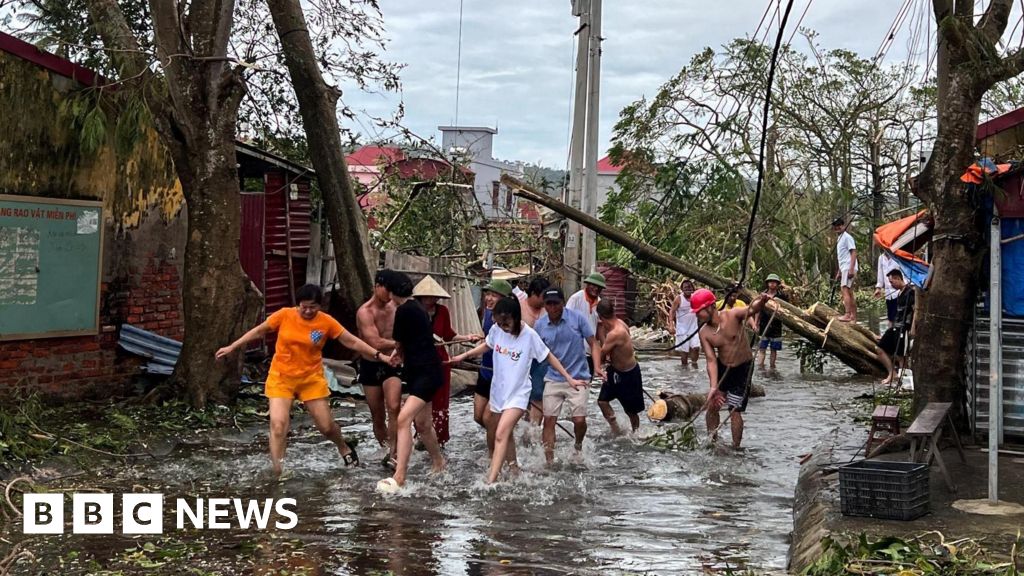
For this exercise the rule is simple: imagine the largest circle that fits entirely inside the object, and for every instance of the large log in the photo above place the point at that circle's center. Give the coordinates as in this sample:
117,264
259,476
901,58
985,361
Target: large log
843,342
683,407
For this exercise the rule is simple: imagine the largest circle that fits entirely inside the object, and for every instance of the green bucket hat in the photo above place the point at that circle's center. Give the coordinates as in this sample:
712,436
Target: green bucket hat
499,287
773,278
597,279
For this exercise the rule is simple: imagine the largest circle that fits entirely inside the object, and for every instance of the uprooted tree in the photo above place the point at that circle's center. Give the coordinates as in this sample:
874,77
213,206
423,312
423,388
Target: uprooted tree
848,341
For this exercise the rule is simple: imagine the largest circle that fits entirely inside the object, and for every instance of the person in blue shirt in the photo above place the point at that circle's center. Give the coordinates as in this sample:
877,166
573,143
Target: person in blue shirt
567,333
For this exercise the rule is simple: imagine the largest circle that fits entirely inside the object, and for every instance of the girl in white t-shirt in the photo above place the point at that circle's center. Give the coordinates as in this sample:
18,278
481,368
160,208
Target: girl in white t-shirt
515,346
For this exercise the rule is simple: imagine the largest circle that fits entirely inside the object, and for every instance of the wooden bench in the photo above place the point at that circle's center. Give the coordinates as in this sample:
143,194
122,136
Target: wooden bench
927,429
883,419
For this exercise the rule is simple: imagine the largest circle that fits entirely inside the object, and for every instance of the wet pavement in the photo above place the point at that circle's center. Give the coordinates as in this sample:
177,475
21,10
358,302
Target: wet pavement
625,508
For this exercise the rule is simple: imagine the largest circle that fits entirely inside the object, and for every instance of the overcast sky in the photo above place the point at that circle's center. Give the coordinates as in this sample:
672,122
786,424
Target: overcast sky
517,59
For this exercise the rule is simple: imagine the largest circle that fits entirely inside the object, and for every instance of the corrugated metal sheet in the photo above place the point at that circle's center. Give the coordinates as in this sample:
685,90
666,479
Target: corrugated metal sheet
462,305
279,197
621,289
162,352
1013,377
251,242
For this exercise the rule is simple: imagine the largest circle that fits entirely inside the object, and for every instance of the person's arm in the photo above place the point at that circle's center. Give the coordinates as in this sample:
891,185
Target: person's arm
879,279
561,370
474,353
353,342
853,261
255,333
755,308
595,353
713,401
368,331
672,315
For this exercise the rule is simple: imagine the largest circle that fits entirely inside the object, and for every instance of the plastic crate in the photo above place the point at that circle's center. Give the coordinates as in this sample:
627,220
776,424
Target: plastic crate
889,490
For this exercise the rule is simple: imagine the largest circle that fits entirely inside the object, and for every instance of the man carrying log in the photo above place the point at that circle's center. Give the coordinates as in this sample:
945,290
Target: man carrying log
729,358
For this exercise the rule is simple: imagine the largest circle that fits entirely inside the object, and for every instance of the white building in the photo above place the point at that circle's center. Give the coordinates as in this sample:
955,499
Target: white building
607,173
475,145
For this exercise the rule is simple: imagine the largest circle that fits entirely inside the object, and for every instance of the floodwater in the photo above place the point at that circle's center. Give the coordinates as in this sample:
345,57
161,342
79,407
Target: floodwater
625,509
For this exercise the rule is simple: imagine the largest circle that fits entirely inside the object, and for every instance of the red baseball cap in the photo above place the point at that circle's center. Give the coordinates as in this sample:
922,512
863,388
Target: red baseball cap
701,299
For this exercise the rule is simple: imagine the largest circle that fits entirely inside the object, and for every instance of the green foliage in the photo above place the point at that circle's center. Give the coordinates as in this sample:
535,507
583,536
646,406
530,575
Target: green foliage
839,139
929,553
674,438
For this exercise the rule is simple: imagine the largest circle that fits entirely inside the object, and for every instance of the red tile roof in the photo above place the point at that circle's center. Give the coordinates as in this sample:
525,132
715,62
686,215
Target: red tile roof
605,166
373,155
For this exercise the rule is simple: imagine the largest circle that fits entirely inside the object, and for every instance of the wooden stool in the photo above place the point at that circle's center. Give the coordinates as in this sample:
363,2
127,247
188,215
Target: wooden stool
883,419
927,429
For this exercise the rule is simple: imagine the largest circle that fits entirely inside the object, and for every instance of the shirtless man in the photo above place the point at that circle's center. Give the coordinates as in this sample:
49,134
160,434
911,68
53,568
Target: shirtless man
623,380
729,359
382,384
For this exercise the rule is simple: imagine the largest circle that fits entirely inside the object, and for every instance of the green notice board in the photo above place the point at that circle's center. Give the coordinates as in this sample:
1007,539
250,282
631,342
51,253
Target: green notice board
50,263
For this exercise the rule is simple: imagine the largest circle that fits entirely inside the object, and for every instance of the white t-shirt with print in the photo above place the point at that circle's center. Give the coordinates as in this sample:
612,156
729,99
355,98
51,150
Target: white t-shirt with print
843,247
513,356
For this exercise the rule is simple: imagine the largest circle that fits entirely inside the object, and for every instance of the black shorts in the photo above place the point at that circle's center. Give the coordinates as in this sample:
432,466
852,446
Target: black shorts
894,342
375,373
626,387
423,381
734,383
483,385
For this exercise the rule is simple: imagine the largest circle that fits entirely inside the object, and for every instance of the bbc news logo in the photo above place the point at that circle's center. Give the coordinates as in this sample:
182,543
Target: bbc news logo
144,513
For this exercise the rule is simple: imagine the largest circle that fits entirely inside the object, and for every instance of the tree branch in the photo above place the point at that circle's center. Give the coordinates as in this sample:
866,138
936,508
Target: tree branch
993,22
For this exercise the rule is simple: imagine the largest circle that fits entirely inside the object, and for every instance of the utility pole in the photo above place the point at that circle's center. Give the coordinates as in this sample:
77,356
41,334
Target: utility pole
589,260
581,9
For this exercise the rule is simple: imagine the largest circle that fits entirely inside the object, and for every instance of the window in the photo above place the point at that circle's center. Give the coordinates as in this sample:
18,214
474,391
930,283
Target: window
495,191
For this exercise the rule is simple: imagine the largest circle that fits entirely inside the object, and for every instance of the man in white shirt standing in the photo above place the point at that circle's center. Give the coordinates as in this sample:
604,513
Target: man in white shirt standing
882,285
846,252
585,302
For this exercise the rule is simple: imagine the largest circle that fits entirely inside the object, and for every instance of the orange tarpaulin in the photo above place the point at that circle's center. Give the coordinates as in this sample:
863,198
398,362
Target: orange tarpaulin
905,236
975,173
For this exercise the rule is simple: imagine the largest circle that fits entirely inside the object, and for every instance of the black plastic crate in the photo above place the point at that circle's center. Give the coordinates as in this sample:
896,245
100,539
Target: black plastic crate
889,490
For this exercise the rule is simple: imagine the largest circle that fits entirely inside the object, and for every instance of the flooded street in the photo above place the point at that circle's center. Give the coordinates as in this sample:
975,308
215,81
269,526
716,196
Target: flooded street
626,508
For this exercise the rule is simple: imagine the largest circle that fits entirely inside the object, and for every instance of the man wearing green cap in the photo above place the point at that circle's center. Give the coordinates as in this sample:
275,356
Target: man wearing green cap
492,292
768,327
585,302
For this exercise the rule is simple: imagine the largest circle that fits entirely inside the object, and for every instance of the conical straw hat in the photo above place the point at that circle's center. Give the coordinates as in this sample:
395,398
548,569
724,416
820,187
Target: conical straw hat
429,287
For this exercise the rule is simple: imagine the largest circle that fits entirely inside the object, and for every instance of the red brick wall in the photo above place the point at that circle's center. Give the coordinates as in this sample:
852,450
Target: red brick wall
149,297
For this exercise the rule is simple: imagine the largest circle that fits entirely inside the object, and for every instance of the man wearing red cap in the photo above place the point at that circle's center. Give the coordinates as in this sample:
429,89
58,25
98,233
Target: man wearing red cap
729,358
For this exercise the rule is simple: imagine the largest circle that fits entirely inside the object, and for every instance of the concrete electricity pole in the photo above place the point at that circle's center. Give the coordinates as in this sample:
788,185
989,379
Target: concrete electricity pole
589,260
581,9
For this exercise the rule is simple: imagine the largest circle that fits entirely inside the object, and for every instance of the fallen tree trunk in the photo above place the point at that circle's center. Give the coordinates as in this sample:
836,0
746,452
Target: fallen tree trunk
845,343
682,407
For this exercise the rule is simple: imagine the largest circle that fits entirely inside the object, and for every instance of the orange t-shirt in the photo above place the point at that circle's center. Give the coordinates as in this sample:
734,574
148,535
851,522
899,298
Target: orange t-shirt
299,341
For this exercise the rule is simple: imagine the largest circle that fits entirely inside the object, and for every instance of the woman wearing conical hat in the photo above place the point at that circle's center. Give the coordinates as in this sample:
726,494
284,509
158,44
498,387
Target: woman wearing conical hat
428,292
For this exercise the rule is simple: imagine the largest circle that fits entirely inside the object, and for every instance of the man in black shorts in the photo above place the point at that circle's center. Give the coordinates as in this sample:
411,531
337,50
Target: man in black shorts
413,334
730,361
382,384
894,343
622,381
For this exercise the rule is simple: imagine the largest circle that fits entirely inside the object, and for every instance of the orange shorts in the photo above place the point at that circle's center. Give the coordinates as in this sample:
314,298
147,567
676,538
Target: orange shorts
305,388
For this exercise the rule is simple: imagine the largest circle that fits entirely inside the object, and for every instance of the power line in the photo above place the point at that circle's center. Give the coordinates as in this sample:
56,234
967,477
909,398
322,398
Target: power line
745,258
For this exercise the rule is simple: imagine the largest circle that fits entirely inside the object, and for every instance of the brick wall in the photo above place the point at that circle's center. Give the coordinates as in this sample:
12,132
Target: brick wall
148,296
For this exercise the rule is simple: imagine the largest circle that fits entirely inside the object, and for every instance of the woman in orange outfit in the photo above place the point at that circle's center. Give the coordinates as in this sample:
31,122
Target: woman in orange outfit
296,371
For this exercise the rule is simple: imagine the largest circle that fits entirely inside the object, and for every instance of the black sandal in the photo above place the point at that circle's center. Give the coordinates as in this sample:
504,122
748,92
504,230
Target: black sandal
352,458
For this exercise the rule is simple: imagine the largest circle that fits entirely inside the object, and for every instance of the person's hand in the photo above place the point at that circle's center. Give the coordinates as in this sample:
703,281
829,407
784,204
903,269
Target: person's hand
221,353
394,360
878,292
715,399
600,373
838,274
474,338
577,384
457,358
